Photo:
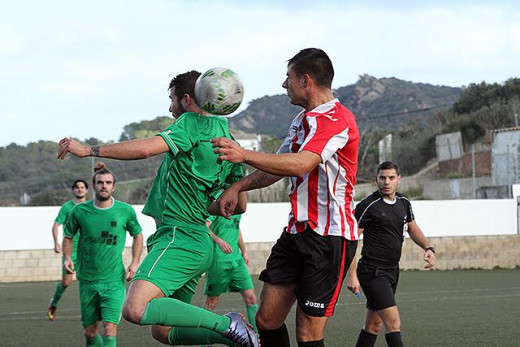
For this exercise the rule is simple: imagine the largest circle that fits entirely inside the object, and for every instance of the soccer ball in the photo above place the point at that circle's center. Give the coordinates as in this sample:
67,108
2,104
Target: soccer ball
219,91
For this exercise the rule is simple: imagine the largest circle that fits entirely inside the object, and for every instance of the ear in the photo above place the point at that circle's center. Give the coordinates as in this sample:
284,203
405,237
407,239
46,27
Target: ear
306,79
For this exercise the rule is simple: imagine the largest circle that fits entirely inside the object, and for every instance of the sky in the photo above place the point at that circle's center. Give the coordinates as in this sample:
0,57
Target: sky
87,69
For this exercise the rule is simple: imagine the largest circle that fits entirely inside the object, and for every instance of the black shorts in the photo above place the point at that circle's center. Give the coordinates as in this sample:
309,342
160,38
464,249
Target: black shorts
379,284
317,264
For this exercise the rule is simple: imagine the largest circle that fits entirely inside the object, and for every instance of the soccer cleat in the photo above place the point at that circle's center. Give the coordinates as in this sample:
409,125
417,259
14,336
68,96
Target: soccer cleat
51,312
241,333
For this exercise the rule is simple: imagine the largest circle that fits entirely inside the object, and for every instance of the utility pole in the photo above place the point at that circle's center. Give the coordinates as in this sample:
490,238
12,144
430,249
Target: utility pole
473,171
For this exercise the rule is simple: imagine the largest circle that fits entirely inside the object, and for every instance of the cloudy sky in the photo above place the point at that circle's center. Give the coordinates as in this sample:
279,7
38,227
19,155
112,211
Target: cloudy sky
86,69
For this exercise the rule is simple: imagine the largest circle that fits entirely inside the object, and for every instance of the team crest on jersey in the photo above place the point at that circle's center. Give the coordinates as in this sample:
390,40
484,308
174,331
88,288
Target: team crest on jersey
113,224
108,238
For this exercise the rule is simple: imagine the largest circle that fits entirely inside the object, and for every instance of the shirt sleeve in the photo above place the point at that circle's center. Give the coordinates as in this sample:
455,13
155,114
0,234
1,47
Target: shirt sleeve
62,215
71,226
409,212
236,174
360,214
178,136
326,134
132,225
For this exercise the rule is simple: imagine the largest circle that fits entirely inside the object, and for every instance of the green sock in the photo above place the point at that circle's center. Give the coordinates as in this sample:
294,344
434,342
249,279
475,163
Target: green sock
196,336
251,314
175,313
60,289
96,341
109,341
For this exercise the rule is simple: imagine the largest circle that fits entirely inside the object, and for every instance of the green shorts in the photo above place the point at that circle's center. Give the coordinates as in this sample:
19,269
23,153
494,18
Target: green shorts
101,301
227,276
177,260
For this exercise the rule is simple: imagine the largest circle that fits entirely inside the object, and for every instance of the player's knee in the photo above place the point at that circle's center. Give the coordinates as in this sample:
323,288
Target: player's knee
66,281
393,324
109,329
373,327
91,332
265,323
132,312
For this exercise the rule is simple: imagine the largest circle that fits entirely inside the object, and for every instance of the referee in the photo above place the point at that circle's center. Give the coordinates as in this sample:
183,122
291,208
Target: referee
384,217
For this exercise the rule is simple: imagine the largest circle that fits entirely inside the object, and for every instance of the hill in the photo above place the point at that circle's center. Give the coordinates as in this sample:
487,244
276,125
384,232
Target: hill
374,101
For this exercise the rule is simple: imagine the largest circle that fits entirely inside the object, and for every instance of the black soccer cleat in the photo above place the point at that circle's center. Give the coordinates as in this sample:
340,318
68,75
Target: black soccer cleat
241,333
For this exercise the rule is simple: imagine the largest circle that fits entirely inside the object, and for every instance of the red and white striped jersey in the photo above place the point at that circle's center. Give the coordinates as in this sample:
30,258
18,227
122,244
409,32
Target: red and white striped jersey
323,198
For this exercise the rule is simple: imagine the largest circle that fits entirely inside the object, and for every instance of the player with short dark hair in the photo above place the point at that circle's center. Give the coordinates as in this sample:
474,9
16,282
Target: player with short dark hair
102,224
79,192
309,261
180,251
384,218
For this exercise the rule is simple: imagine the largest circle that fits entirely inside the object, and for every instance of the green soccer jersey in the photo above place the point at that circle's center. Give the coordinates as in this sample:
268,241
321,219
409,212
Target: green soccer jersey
102,239
62,219
190,177
227,230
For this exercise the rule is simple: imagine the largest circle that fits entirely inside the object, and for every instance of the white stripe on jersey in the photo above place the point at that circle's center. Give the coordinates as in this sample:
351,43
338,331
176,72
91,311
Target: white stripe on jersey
331,206
366,209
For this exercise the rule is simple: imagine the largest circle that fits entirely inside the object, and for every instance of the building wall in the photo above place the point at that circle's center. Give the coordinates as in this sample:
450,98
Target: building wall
463,252
505,157
26,228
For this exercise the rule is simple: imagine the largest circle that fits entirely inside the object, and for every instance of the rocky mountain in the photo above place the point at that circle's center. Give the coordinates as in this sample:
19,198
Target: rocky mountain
382,103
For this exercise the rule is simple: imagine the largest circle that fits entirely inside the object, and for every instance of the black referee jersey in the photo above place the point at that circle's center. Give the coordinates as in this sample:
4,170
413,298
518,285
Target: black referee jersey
384,223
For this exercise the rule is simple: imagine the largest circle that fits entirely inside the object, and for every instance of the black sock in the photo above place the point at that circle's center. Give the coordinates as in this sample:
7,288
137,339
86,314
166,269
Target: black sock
394,339
274,338
320,343
366,339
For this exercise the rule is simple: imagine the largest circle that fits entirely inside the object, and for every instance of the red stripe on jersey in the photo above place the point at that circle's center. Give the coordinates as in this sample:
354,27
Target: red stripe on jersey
327,226
330,308
312,199
349,163
318,199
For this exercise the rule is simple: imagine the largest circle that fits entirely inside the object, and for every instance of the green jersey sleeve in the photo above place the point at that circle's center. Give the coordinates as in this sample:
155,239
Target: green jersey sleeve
132,225
64,212
236,174
71,226
178,136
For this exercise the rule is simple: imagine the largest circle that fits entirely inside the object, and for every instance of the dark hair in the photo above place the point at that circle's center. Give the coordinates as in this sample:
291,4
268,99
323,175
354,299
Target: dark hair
314,62
79,181
184,83
101,169
388,165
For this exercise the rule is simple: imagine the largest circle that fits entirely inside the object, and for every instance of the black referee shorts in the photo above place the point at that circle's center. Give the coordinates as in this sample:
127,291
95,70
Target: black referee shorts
379,284
317,264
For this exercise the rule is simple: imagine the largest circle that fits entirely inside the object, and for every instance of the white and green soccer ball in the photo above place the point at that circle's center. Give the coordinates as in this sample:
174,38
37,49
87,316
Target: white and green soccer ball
219,91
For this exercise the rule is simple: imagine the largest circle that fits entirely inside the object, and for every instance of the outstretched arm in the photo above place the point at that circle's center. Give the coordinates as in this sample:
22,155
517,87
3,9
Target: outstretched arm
280,164
127,150
228,202
420,240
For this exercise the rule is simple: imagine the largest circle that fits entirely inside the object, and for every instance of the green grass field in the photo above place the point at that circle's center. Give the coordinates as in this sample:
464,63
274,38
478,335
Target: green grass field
438,308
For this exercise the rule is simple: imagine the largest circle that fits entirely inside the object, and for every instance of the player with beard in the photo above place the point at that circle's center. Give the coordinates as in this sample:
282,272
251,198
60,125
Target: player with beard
102,224
181,249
